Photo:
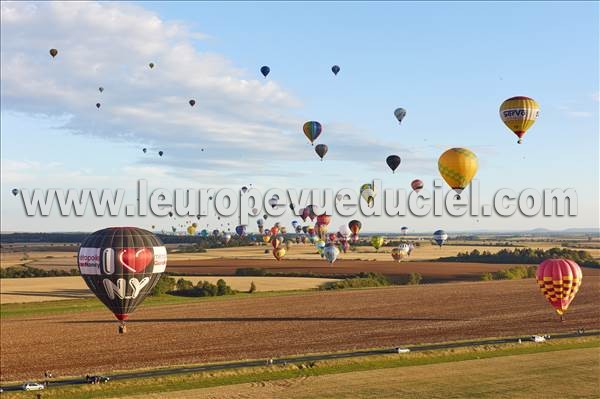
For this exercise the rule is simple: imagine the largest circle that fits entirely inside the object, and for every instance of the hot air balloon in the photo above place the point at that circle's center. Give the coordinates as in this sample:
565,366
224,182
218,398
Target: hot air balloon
274,230
417,185
100,89
440,237
393,161
241,230
320,245
170,214
377,242
279,253
324,219
144,150
15,191
151,65
331,252
335,69
400,252
367,192
192,102
121,265
265,70
312,130
273,202
276,241
321,150
244,189
191,230
321,230
345,231
559,280
400,113
458,166
53,52
519,114
227,238
404,230
98,105
266,238
355,227
160,153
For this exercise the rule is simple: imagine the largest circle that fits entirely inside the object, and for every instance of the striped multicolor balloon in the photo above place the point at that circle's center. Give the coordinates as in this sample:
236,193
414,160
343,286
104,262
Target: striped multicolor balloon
458,166
312,130
559,280
519,114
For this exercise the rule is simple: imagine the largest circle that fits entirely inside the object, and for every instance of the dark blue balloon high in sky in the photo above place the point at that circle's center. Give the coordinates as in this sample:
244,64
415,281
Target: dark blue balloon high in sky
265,70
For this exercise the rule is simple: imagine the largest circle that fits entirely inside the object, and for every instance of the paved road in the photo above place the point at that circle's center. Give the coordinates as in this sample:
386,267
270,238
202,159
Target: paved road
302,359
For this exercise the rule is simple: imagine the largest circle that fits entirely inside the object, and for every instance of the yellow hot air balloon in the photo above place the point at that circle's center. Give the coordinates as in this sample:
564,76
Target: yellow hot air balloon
279,253
458,166
266,238
191,230
377,242
519,114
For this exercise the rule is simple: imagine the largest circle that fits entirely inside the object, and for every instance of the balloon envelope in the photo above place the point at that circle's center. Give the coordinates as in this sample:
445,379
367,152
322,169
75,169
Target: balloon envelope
416,185
265,70
393,161
400,113
53,52
121,265
312,130
377,242
331,252
440,237
335,69
519,114
559,280
321,150
458,166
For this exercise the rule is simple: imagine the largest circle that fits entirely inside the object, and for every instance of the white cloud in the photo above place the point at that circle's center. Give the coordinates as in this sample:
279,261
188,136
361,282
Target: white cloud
248,126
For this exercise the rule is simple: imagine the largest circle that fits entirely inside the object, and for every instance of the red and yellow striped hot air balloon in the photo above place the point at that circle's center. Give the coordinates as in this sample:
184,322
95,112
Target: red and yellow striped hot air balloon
559,280
519,114
458,166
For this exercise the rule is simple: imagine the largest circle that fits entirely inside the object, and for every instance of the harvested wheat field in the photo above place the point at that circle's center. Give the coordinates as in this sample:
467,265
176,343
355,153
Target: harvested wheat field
502,377
272,326
22,290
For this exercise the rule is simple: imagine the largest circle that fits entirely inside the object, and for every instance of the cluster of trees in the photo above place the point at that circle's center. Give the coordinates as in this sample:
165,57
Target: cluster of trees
27,271
182,287
361,280
514,273
524,255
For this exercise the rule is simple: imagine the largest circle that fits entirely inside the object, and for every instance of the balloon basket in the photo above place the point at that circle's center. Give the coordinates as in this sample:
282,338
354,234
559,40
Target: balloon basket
122,328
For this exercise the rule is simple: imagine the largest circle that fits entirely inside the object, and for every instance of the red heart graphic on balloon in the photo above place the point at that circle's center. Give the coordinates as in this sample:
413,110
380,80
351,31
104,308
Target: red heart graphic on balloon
136,260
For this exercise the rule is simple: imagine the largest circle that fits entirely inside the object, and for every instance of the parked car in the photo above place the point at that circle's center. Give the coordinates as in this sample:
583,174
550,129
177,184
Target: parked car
32,386
402,350
96,379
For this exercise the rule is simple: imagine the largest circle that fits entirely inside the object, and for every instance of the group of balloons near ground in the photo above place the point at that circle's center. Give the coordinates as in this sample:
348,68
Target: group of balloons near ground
558,279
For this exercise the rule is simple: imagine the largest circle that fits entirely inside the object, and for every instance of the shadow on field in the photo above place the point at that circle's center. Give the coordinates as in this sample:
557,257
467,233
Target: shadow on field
264,319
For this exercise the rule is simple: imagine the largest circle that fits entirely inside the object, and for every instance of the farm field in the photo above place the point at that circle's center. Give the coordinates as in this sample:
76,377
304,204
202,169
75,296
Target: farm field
22,290
201,331
498,377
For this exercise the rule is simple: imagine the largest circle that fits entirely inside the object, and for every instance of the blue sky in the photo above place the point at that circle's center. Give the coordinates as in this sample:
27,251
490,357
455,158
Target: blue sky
449,64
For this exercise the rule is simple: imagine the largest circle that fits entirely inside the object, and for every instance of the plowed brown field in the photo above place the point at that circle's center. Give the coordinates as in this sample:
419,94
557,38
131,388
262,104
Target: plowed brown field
239,328
431,271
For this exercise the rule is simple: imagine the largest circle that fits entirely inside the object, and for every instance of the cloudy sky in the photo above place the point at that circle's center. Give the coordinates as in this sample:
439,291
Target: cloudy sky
449,64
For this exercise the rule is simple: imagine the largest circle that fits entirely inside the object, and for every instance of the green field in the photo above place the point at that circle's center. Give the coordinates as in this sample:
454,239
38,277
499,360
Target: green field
511,371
